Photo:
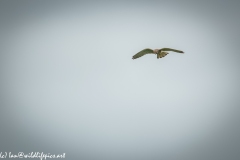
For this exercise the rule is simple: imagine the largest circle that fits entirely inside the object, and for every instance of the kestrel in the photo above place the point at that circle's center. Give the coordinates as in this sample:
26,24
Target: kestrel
159,52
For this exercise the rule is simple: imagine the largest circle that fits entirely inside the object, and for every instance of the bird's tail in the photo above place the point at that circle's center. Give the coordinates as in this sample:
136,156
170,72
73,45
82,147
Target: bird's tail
161,54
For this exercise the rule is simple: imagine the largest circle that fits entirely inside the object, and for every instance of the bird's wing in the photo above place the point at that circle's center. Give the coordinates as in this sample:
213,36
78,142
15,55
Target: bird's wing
162,54
142,53
170,49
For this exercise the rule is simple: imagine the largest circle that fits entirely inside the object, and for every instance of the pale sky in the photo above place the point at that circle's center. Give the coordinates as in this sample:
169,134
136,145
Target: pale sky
69,84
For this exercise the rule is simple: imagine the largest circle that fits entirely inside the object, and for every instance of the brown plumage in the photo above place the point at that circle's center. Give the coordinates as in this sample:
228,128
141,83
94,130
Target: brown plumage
160,52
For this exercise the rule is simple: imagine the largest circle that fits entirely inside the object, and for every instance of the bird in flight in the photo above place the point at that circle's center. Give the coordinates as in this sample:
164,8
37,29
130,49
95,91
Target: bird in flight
159,52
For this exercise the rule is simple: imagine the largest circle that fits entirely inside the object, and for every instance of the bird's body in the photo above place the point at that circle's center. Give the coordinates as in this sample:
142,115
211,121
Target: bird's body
159,52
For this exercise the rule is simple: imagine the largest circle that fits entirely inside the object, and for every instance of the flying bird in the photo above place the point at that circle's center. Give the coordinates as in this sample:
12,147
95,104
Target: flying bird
159,52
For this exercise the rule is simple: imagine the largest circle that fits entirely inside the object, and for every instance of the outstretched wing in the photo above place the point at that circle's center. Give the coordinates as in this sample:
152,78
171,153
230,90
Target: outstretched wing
170,49
162,54
142,53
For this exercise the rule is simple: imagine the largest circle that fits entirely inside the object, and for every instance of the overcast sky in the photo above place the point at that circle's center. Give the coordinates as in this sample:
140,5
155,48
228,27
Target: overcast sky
69,84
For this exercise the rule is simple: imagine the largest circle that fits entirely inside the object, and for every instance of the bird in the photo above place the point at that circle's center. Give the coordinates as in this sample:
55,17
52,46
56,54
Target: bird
159,52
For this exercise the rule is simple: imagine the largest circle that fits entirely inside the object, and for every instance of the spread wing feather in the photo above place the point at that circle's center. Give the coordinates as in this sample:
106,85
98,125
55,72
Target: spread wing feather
142,53
170,49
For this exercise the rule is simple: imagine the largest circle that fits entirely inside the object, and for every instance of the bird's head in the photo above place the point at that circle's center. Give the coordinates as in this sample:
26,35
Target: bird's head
156,51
